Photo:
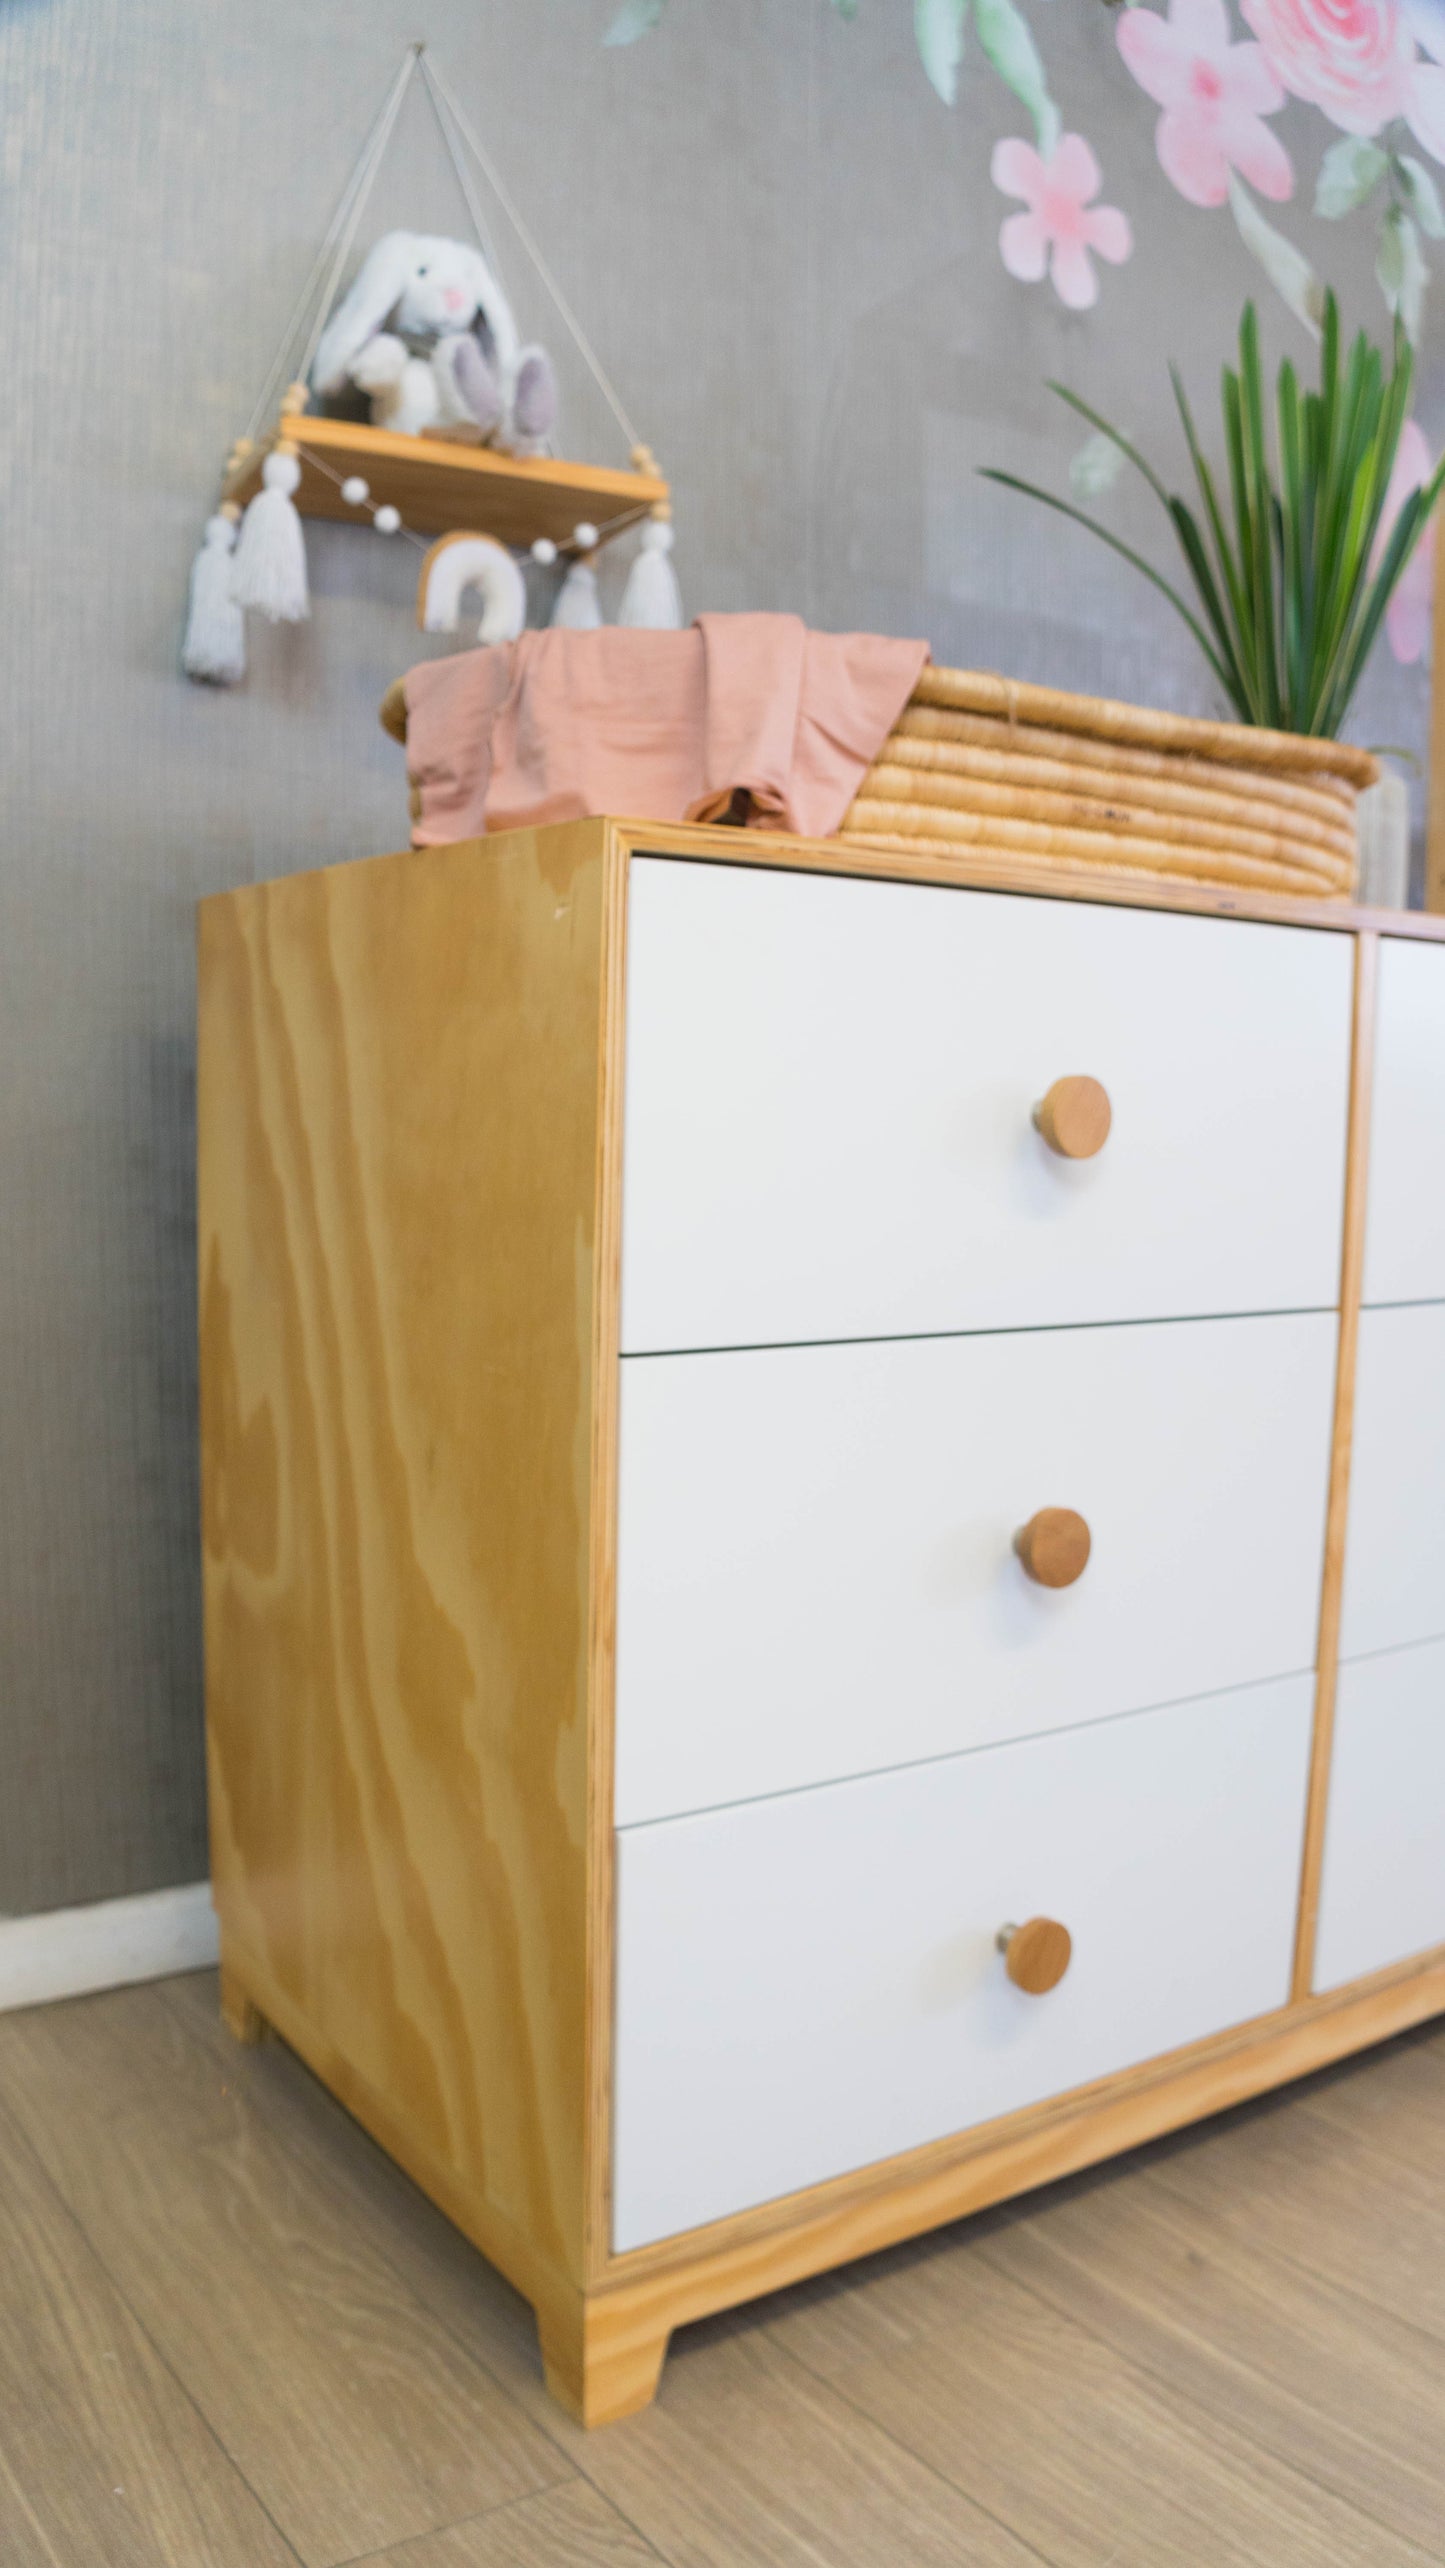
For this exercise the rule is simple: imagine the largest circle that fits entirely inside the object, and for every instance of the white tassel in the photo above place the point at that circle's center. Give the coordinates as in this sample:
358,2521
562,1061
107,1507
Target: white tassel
578,608
270,565
652,599
214,649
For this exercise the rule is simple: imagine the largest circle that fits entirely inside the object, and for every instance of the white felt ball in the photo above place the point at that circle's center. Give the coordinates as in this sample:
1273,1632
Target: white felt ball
585,537
355,491
387,520
544,551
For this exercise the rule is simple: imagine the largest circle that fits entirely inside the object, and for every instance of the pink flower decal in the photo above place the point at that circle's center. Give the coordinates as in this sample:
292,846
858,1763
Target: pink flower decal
1215,95
1062,225
1353,58
1407,617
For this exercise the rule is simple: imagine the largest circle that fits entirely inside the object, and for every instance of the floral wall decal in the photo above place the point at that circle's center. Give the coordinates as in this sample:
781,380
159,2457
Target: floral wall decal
1215,95
1218,72
1062,225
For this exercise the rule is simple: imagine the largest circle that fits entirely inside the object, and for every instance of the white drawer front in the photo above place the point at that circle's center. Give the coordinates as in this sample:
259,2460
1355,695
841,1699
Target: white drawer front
829,1095
809,1984
1405,1230
1395,1555
816,1568
1382,1895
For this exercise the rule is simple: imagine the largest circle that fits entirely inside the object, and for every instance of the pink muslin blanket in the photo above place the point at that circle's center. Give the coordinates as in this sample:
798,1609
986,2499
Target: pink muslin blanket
654,726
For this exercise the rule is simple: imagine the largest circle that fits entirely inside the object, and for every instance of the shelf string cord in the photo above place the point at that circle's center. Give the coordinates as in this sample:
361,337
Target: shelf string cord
444,97
335,249
459,137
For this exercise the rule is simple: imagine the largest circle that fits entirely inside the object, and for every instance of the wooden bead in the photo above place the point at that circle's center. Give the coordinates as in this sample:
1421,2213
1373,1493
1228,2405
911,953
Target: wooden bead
1074,1117
1036,1954
1054,1546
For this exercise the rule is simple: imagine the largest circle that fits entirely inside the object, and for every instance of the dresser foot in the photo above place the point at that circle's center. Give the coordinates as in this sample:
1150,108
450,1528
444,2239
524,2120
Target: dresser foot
601,2362
238,2013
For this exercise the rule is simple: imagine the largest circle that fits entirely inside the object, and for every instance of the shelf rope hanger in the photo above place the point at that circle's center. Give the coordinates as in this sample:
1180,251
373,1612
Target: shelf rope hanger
459,137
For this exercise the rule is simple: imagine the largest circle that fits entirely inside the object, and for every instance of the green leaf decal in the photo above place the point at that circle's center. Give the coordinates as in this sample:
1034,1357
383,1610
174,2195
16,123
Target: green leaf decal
635,18
1422,196
1402,272
1287,268
1350,171
939,25
1007,39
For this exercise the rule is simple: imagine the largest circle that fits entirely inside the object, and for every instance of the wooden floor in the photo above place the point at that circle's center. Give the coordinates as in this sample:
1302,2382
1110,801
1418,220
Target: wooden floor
233,2336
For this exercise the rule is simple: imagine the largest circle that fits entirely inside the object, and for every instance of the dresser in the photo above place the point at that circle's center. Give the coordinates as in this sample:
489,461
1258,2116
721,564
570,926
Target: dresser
824,1506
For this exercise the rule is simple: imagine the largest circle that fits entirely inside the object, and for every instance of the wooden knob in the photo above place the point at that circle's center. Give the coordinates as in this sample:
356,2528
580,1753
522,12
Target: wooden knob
1074,1117
1054,1546
1036,1954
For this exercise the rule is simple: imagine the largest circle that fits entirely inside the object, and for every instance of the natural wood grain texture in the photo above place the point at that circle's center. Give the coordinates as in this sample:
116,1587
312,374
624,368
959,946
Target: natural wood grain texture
1054,1546
602,1568
746,2458
1037,1954
1352,1268
732,2461
988,871
1341,2390
1329,2200
399,1187
597,2366
248,2274
1086,2459
1074,1117
105,2462
240,2017
439,483
567,2527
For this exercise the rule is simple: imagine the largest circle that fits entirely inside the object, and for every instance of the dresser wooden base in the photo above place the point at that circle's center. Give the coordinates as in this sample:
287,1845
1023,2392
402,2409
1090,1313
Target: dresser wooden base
603,2347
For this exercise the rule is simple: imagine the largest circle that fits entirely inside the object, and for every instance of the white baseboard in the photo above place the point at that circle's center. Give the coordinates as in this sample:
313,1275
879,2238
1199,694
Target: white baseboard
67,1951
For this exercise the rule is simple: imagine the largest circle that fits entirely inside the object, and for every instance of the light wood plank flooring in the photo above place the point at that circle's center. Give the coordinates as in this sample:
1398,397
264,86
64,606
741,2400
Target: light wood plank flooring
233,2336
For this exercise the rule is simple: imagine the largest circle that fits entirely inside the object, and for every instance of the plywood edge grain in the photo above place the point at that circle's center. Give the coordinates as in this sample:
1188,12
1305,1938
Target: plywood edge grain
688,2277
602,1636
1352,1268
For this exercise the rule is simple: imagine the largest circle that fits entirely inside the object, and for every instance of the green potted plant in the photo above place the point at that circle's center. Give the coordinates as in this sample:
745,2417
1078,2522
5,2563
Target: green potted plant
1292,564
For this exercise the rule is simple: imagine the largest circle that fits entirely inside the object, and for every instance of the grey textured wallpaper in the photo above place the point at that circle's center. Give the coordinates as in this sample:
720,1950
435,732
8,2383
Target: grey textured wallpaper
786,248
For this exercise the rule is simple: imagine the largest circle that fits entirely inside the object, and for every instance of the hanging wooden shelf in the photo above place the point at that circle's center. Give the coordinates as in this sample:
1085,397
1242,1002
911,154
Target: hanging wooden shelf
438,484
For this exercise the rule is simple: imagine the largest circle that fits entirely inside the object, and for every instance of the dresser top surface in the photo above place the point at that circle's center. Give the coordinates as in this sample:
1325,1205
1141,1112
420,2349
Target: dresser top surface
563,844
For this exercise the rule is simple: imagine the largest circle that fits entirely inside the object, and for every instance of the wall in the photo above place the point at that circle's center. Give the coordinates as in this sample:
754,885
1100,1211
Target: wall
785,247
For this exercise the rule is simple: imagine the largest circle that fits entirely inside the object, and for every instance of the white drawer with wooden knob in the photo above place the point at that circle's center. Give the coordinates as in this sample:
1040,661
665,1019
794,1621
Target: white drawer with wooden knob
1382,1895
1395,1551
810,1983
864,1109
1405,1228
837,1558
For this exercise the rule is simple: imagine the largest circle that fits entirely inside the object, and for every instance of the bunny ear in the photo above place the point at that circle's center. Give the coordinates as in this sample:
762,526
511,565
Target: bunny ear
493,309
362,309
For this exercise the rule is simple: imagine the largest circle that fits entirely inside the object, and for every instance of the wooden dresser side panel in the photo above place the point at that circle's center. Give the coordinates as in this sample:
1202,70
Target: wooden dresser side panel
399,1155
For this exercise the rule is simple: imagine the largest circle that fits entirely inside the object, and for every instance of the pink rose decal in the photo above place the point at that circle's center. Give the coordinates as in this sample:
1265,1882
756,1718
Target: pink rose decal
1355,59
1062,225
1215,95
1407,617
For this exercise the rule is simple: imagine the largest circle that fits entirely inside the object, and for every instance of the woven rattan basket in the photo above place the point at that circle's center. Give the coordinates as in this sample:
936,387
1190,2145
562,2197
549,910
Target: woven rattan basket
981,766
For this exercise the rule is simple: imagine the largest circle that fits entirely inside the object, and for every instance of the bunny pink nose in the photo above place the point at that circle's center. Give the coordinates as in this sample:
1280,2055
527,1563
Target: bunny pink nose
454,298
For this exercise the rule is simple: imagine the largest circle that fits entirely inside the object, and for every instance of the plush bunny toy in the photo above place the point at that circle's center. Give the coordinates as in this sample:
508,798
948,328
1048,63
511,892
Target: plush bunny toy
428,334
